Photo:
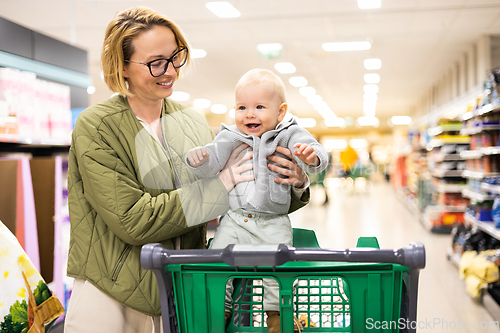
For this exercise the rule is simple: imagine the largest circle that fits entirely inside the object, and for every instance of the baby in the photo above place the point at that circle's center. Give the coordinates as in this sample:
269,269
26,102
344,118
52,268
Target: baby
258,212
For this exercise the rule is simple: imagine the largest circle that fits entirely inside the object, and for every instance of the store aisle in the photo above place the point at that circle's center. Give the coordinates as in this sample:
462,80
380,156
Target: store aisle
443,305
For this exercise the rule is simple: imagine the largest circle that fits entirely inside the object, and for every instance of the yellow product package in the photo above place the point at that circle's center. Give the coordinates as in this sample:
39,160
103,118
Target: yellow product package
474,286
465,263
483,268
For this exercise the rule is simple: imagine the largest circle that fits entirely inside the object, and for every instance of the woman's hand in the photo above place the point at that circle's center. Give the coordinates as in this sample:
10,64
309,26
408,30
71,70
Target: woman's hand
290,168
232,172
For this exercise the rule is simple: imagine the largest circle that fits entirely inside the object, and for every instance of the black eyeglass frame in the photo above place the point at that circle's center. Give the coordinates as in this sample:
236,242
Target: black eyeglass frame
169,60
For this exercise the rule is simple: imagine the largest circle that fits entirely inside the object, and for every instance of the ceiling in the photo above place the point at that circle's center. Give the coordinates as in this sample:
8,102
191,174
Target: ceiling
416,40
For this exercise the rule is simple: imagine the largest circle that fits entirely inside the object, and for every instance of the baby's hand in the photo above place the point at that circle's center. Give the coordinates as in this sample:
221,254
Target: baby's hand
197,156
306,154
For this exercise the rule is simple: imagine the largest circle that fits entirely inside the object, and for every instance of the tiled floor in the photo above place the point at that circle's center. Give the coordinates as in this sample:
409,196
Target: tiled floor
377,211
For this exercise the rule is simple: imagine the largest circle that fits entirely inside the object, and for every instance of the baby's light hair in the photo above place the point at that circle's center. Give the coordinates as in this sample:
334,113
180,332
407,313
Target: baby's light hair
259,76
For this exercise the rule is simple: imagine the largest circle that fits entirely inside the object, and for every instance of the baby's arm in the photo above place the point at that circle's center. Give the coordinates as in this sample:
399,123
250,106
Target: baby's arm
197,156
306,154
209,160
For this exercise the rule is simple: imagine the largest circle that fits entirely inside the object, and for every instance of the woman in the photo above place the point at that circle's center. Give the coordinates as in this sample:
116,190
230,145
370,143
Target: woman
128,185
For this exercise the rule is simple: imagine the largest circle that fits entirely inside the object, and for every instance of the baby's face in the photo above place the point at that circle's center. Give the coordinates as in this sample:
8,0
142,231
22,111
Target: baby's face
258,109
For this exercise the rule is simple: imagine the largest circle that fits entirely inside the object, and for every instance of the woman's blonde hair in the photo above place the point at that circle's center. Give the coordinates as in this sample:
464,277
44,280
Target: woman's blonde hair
117,47
259,76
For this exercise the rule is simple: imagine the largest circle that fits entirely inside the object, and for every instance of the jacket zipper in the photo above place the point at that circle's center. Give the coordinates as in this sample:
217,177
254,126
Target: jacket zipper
120,263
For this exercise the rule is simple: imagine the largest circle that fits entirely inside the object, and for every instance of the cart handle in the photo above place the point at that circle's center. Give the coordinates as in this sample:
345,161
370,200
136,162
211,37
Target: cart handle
157,256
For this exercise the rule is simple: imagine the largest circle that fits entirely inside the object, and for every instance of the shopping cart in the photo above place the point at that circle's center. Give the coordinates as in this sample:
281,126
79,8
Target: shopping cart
352,290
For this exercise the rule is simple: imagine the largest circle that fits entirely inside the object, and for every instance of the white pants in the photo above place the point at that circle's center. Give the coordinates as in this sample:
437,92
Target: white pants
90,310
246,227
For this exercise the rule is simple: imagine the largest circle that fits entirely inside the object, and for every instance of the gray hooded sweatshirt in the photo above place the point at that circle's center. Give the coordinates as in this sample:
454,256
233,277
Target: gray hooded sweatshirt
262,194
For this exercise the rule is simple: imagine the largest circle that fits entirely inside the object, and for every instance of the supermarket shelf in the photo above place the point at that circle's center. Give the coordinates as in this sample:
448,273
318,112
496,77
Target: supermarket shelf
478,129
436,229
453,257
447,157
471,154
451,209
447,173
491,188
10,138
491,305
480,197
452,141
489,108
441,188
422,217
444,128
479,175
475,154
491,150
47,71
486,226
485,109
441,228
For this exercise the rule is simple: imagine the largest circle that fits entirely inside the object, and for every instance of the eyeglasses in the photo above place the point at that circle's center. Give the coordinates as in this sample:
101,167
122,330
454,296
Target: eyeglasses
158,67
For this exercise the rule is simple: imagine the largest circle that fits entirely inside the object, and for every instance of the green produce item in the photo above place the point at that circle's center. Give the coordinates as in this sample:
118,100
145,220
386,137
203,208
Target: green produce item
19,312
8,326
41,293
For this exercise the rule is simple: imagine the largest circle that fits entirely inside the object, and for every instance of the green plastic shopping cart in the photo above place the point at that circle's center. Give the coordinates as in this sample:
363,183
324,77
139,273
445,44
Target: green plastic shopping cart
363,289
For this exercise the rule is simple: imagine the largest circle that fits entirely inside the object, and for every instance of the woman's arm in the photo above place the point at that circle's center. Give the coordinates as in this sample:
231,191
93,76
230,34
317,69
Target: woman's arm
295,177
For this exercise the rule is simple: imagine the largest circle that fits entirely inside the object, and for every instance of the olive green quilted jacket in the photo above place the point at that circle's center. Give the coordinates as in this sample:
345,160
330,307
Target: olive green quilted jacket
126,190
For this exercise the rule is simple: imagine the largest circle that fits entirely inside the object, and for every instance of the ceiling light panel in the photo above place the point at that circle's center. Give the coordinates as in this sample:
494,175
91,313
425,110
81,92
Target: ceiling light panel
337,144
307,91
369,104
368,121
270,50
314,99
336,122
372,64
298,81
218,108
370,97
372,78
223,9
358,143
197,53
401,120
370,88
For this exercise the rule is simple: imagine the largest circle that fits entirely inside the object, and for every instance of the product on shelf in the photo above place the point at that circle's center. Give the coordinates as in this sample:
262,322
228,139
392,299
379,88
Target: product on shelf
31,108
495,211
452,199
447,166
467,238
492,87
481,210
